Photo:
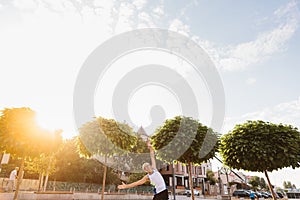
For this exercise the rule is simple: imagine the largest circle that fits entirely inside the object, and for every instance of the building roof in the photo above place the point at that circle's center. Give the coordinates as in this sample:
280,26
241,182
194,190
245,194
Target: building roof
142,133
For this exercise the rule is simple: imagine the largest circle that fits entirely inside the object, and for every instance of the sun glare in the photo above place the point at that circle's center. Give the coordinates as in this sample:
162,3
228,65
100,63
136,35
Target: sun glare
52,123
45,122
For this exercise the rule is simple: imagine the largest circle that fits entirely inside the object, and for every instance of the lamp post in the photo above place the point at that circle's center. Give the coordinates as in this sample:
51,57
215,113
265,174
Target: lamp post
226,170
173,181
220,182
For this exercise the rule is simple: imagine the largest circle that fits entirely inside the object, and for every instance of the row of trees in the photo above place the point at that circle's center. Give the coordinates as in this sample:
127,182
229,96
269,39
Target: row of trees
289,185
258,183
253,146
67,166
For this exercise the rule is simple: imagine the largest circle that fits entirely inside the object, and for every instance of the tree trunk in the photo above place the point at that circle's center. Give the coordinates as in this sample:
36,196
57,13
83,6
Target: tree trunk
40,181
46,181
104,180
47,174
270,185
191,180
19,180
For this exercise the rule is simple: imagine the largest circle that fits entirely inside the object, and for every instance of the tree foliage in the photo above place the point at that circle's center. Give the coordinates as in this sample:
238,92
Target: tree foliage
288,185
257,183
72,167
210,176
21,136
261,146
185,139
105,137
40,165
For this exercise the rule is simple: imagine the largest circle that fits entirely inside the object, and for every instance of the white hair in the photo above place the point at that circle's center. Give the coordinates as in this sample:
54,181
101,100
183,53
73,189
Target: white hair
146,166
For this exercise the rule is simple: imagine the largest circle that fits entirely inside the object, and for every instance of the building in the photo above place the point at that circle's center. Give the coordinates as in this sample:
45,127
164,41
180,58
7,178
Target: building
228,181
142,134
181,175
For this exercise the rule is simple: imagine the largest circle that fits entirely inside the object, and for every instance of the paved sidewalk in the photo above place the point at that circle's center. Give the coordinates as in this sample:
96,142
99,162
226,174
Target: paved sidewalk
88,196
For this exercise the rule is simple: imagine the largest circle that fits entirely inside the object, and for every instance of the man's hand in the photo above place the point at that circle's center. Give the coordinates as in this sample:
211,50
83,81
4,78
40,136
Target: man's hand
123,186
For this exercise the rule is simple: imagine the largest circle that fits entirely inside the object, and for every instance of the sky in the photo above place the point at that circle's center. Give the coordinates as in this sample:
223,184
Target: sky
254,46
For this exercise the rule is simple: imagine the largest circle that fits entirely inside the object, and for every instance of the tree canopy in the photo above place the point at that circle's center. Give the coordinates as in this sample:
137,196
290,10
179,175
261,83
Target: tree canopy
257,183
185,139
105,137
261,146
21,136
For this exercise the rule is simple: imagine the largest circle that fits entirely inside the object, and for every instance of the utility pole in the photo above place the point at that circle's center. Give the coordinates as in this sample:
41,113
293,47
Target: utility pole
173,180
220,182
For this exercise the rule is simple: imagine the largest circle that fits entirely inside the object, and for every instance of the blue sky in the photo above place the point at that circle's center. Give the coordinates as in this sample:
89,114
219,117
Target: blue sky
253,44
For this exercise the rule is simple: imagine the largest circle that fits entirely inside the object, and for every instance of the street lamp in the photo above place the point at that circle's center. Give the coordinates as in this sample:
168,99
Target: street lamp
226,170
220,182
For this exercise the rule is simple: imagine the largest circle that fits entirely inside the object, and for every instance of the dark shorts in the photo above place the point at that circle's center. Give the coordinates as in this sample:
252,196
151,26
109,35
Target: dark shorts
161,196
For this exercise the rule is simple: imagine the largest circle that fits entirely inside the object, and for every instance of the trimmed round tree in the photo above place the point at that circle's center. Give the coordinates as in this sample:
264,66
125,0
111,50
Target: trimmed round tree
102,138
185,140
261,146
22,138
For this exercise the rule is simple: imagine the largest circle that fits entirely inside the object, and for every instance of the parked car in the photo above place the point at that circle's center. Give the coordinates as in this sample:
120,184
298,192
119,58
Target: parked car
188,192
259,194
241,193
266,195
280,195
250,191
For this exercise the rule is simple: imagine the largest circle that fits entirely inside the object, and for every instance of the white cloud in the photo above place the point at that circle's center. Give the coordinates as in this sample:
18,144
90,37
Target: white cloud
139,4
178,26
286,113
247,54
159,10
145,20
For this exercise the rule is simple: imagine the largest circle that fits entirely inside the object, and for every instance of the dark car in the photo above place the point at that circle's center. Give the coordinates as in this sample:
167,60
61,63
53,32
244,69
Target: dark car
266,195
241,193
258,195
280,195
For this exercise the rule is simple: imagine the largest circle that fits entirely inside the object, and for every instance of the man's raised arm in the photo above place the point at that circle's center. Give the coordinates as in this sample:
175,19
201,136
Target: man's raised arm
152,156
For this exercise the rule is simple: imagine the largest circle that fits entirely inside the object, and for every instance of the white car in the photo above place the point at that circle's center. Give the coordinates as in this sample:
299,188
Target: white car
196,192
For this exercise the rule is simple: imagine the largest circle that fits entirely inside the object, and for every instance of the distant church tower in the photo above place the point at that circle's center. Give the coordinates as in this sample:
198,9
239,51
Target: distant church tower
142,133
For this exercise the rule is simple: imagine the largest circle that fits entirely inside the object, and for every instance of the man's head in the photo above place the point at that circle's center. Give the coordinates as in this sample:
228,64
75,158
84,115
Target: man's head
147,167
17,168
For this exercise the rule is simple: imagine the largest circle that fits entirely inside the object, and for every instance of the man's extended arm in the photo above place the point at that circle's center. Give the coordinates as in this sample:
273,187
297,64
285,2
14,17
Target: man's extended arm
134,184
152,156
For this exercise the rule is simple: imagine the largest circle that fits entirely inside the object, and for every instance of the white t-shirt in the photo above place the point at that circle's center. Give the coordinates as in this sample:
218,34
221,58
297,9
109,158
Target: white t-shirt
13,175
158,181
